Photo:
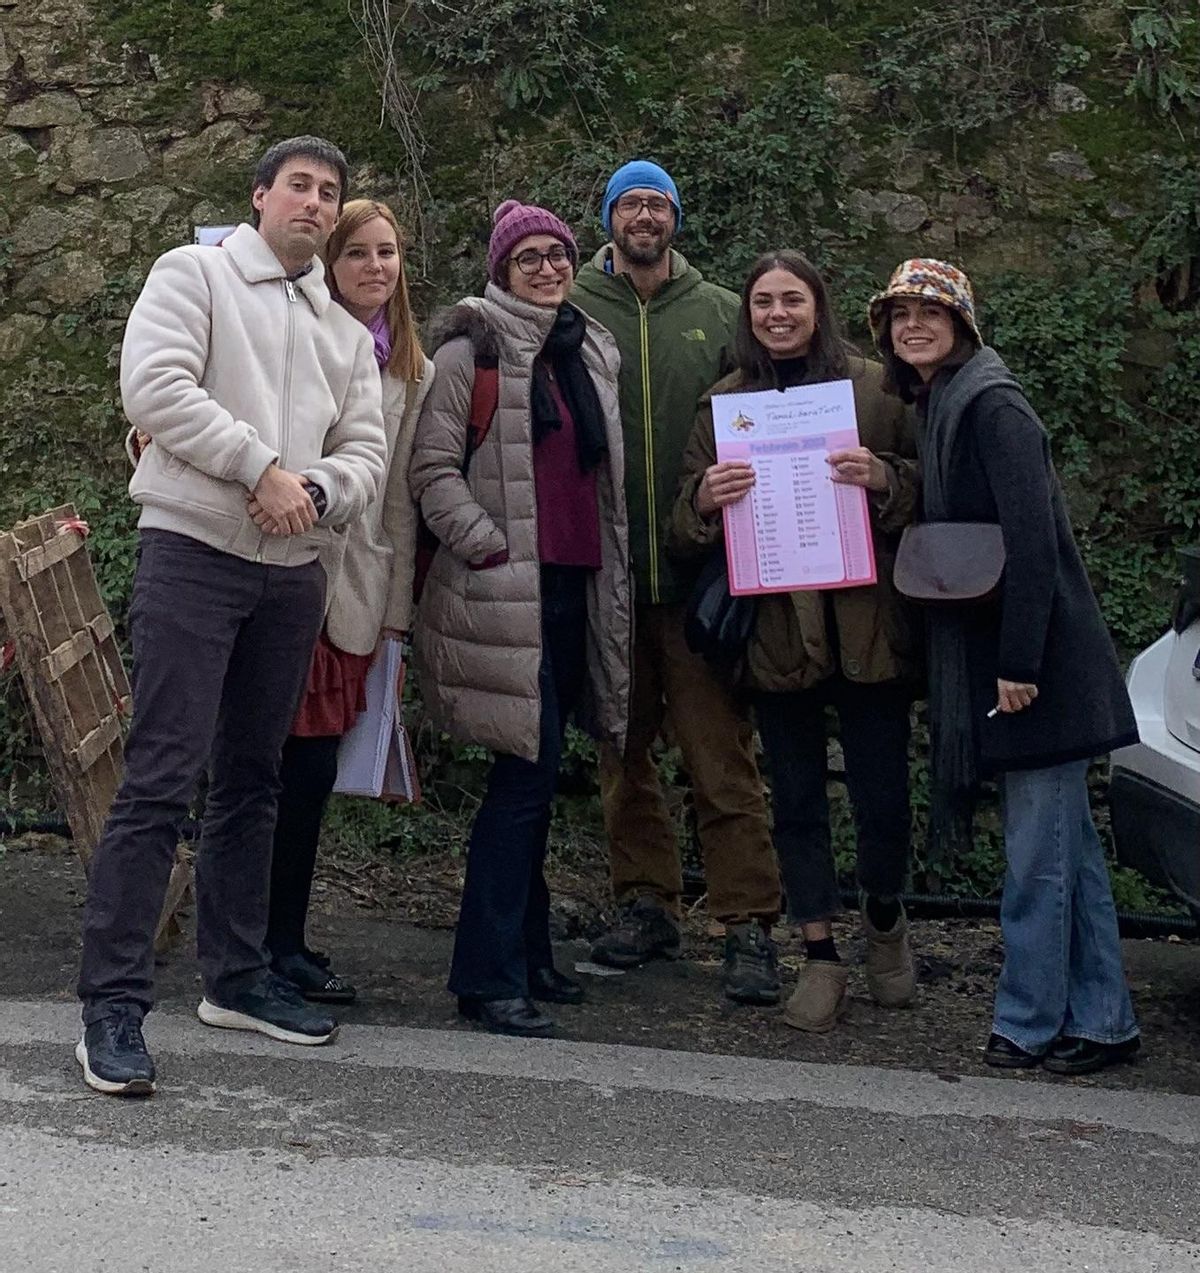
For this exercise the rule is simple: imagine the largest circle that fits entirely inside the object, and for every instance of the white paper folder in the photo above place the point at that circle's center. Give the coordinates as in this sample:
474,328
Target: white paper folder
375,757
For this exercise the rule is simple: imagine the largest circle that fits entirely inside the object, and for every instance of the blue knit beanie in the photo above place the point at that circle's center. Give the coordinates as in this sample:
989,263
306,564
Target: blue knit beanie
639,174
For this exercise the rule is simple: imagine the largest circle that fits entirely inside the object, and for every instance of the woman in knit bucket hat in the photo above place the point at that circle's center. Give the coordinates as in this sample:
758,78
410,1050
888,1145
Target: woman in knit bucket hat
525,614
932,280
1026,688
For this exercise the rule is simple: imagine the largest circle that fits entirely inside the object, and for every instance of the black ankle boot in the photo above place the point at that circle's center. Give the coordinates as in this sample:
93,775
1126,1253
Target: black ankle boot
507,1016
551,986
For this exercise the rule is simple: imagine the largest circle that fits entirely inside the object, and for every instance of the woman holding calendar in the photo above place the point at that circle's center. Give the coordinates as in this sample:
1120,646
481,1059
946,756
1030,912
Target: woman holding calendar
855,649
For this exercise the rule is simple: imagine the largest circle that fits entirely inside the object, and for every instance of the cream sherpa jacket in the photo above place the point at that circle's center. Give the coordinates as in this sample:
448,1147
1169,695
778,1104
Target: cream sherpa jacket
229,366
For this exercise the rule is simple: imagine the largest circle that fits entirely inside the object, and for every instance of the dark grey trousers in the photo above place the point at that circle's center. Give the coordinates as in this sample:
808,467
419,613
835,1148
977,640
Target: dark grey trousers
221,650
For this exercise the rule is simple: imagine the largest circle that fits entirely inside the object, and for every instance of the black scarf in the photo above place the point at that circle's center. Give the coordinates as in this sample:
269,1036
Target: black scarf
953,740
561,352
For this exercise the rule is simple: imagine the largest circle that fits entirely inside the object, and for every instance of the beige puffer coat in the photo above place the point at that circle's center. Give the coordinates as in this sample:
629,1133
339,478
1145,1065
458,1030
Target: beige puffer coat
478,633
370,562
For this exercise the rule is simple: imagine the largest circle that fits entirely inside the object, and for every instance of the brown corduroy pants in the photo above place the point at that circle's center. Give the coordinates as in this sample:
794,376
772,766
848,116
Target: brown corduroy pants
673,685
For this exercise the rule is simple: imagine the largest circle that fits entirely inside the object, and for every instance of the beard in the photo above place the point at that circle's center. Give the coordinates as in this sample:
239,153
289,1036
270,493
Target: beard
643,252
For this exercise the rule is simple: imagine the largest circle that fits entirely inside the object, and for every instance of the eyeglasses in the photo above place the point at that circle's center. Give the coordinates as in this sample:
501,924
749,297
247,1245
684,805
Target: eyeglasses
530,261
657,205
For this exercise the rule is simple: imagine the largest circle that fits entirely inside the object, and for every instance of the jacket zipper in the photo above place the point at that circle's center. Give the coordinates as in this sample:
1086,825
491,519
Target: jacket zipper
648,431
286,396
289,287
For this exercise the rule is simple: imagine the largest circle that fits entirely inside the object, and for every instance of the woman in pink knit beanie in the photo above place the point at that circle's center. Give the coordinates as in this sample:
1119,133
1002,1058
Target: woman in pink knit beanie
525,615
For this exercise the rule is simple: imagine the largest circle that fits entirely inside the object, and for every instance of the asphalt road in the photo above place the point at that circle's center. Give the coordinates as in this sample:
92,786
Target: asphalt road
448,1150
416,1144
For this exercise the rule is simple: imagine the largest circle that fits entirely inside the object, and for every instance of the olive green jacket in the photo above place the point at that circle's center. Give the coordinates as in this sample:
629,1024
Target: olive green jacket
879,636
671,352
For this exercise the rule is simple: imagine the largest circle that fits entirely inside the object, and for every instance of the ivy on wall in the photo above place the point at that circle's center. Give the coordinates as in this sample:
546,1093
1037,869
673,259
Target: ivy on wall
781,122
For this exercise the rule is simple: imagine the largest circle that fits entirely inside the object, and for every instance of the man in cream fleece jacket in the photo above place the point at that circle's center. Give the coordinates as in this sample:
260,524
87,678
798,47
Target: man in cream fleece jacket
262,402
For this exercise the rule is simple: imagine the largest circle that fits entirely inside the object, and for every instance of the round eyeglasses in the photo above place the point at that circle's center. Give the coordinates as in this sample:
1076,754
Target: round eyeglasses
657,205
530,261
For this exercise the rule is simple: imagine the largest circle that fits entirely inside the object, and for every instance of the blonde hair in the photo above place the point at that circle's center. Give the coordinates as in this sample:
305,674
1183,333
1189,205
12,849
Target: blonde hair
407,361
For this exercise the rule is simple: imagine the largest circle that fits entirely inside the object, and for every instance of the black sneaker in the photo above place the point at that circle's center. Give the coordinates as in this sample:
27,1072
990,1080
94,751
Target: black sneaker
315,980
113,1055
751,973
643,931
273,1007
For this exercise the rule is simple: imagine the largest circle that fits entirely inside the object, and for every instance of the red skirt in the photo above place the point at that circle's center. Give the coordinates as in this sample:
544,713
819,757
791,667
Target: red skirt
336,691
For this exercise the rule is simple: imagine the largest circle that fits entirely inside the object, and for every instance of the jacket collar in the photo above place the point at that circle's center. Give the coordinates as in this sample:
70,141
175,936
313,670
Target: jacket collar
596,276
496,318
256,263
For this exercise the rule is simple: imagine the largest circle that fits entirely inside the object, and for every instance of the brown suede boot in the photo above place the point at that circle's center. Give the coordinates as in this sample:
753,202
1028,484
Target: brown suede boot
819,998
891,977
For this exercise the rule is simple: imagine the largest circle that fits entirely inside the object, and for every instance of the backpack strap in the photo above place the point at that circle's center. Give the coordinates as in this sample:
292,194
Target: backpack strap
485,398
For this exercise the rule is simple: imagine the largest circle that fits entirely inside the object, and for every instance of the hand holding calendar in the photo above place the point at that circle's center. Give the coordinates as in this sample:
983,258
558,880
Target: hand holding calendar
796,528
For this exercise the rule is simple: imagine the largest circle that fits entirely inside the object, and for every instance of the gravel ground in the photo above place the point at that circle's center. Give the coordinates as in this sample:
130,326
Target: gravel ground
389,926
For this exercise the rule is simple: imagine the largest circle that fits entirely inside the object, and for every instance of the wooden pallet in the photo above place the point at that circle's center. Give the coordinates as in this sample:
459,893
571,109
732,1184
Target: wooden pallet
74,678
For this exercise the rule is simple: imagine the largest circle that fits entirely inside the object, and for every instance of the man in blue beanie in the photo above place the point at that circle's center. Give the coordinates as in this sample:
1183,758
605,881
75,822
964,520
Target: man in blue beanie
671,327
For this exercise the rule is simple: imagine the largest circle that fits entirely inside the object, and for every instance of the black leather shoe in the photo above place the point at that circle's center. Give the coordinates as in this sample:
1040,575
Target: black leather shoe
1083,1056
1003,1054
551,986
114,1057
317,982
507,1016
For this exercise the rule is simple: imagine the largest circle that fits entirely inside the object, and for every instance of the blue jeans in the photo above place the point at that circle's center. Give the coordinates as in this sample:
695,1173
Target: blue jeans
1062,971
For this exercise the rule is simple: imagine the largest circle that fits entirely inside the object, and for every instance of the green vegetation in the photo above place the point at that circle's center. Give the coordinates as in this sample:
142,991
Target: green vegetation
1088,267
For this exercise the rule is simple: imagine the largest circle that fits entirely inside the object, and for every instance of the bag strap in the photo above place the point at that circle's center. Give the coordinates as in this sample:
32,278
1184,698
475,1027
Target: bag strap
485,398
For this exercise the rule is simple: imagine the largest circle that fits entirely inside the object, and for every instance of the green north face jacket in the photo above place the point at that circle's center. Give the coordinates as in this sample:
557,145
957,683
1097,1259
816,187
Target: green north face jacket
671,353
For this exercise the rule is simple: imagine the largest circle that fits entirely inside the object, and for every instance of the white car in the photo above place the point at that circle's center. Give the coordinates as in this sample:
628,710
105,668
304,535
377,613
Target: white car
1154,793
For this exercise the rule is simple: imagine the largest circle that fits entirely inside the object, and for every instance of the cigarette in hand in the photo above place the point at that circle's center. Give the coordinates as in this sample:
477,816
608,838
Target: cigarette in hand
994,712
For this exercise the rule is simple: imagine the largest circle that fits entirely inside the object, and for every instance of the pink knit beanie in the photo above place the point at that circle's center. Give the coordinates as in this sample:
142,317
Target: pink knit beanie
513,221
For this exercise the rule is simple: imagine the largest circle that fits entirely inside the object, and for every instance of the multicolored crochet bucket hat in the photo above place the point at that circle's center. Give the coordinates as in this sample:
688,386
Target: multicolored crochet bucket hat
932,281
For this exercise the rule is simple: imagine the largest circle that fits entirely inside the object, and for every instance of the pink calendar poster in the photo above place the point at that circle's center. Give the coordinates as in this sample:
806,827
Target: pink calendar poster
797,528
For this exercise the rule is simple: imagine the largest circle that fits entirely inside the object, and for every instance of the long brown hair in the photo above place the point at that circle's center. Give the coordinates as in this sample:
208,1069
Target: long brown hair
827,356
407,361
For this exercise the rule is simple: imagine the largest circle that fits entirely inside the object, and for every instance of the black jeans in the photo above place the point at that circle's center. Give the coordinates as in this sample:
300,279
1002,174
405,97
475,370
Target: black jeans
874,735
504,921
221,653
306,778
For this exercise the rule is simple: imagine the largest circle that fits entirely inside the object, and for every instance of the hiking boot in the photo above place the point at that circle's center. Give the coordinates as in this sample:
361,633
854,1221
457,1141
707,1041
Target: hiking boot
819,998
114,1057
313,977
273,1007
644,930
750,974
891,977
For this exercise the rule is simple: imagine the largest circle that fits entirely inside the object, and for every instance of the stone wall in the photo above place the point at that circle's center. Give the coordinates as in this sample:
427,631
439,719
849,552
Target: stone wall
105,159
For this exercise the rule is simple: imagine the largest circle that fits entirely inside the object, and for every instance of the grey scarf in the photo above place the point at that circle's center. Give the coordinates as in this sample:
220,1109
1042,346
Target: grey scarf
953,739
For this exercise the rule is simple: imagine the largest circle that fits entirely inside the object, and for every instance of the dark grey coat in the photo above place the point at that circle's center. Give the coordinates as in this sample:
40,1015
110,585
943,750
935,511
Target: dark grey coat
1046,629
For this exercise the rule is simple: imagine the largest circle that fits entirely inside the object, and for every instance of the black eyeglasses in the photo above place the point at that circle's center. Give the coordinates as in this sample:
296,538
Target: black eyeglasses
657,205
530,261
